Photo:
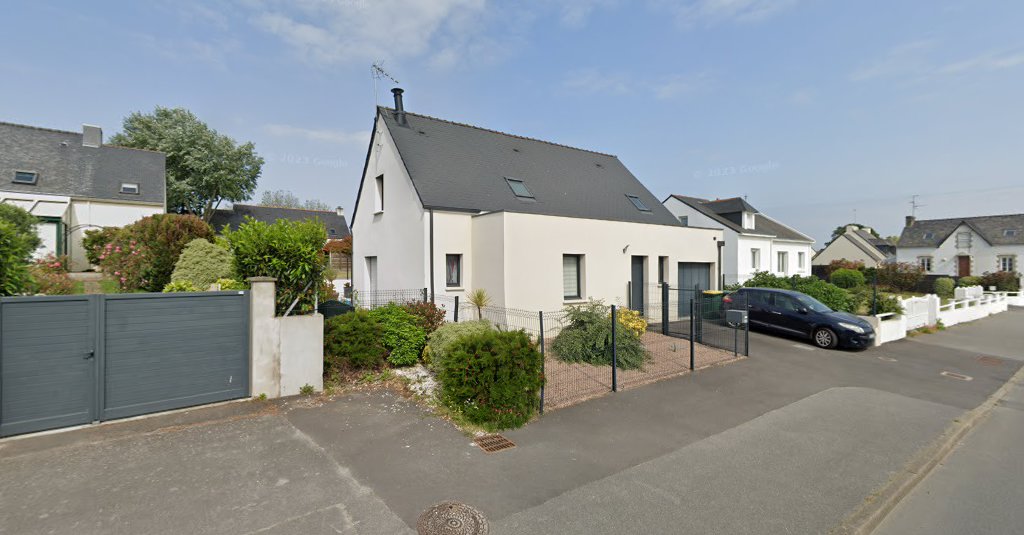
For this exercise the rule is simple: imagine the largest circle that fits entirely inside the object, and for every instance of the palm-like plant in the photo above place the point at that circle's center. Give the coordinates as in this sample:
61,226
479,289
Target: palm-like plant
479,299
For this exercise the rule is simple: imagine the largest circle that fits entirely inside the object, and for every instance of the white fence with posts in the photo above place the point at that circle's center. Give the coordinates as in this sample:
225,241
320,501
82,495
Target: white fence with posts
968,304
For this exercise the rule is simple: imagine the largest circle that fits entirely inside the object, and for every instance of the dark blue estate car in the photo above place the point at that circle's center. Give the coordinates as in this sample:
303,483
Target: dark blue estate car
798,314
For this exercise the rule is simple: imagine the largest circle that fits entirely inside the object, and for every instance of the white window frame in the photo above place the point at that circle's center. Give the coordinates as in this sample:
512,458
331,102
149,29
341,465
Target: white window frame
963,239
378,194
458,271
684,220
1007,262
371,273
925,262
782,262
130,186
800,259
578,259
755,258
33,182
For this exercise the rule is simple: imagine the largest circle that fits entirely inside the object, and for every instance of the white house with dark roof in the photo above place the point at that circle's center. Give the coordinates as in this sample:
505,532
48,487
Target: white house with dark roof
753,241
856,244
74,183
452,207
963,246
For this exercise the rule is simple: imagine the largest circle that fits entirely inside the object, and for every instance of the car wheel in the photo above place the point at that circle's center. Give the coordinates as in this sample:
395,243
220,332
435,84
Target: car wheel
825,338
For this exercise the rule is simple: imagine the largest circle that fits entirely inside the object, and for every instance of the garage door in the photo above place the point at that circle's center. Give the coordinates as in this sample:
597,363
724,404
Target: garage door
73,360
692,275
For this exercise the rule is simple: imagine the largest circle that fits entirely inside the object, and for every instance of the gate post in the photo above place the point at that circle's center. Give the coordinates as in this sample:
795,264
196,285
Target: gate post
456,317
265,339
615,364
664,308
693,323
543,362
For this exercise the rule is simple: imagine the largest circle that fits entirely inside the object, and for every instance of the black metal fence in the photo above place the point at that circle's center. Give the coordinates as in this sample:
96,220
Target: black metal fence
592,349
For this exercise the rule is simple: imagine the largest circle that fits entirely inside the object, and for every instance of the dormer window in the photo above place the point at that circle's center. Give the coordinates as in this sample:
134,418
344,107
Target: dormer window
929,235
25,177
639,204
748,219
130,188
519,188
1010,233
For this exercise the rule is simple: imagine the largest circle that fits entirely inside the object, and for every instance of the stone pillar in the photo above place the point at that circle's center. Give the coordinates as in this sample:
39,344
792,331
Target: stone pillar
264,339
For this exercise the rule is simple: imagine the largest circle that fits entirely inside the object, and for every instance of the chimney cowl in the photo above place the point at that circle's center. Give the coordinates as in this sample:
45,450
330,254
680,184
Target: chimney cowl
92,136
399,107
910,220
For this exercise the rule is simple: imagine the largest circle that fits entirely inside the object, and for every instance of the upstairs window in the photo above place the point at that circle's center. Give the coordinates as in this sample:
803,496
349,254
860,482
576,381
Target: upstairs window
929,235
755,259
638,203
130,188
684,220
519,188
25,177
1010,233
378,199
963,240
453,270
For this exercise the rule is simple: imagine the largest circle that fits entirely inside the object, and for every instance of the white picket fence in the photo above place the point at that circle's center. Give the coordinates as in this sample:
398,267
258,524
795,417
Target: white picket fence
968,304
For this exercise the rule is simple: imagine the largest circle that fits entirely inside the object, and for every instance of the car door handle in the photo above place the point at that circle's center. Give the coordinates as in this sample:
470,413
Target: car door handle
88,355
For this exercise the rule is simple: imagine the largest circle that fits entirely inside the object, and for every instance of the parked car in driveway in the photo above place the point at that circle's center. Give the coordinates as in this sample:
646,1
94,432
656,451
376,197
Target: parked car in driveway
795,313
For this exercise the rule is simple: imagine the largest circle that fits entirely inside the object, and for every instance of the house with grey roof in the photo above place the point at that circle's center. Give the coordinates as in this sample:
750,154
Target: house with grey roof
74,183
754,241
452,207
963,246
857,243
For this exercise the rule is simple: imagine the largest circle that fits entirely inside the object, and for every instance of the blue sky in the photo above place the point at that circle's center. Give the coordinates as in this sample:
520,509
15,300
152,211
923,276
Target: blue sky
812,109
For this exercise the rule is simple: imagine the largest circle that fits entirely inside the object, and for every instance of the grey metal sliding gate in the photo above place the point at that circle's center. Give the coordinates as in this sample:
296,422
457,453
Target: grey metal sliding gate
68,360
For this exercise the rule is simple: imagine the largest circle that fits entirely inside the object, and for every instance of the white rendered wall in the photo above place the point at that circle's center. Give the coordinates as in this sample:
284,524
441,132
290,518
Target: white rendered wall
984,257
89,215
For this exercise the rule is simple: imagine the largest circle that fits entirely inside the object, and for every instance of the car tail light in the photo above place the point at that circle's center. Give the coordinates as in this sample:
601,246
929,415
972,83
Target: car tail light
727,299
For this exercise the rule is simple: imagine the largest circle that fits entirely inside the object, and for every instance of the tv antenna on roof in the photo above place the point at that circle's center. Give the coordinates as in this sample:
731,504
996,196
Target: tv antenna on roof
914,205
377,72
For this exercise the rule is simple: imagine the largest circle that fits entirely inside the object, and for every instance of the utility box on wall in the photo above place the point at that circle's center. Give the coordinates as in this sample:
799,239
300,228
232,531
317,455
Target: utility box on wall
736,318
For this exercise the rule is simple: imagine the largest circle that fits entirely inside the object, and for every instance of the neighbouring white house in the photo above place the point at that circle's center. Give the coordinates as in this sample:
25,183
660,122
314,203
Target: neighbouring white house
857,244
753,241
964,246
74,183
451,207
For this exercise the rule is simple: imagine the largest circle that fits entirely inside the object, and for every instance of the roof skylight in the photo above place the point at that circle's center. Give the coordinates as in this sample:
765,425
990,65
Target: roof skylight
638,203
519,188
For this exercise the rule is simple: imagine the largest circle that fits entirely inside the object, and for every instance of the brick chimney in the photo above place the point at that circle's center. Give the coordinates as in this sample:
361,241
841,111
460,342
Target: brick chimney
92,136
910,220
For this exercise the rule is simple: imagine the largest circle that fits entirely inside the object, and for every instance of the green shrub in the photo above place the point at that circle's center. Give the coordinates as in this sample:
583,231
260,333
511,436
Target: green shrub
444,336
231,284
763,279
964,282
900,276
864,295
944,287
15,253
847,278
50,276
402,337
24,224
428,315
202,263
842,263
142,255
290,251
94,242
587,337
180,286
493,378
829,294
1004,281
355,339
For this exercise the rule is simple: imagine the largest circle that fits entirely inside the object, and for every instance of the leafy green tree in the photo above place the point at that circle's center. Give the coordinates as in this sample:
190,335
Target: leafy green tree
204,168
286,199
841,229
24,223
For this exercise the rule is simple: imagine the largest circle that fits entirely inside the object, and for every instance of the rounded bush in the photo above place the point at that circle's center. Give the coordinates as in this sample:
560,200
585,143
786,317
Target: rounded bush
15,252
968,281
847,278
180,286
587,337
202,263
493,378
353,338
944,287
402,337
439,341
142,255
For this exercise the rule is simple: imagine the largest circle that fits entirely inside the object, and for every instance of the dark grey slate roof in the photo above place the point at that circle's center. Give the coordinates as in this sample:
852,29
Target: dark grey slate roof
885,246
337,227
932,232
67,168
720,211
462,167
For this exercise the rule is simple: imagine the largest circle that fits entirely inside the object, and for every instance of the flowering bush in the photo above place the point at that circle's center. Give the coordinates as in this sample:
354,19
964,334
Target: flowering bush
631,320
50,276
142,255
428,315
900,276
95,243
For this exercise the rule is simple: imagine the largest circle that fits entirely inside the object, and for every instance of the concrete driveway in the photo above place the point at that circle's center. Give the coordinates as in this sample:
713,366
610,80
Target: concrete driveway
789,440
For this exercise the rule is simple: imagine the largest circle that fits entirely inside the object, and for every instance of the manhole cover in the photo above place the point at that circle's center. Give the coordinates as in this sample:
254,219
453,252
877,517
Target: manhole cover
493,443
958,376
990,361
452,518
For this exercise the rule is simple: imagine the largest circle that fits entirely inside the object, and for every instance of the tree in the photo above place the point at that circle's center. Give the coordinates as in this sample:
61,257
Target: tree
895,240
204,168
841,229
286,199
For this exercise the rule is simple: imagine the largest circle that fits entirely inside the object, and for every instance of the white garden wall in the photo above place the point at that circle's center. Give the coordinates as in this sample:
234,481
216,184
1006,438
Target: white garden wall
286,353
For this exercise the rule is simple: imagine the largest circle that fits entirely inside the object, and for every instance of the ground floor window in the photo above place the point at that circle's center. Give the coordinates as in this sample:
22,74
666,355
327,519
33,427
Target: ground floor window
1008,263
925,262
783,262
371,273
755,259
453,270
800,260
571,268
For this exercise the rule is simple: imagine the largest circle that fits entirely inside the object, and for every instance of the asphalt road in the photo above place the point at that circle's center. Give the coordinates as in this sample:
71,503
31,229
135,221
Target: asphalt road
789,440
979,489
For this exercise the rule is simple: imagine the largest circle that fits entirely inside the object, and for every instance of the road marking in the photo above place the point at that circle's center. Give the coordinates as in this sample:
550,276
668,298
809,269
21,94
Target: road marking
808,348
887,359
957,376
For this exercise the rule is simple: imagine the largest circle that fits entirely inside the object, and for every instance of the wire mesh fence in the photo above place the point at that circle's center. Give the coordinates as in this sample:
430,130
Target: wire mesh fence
371,299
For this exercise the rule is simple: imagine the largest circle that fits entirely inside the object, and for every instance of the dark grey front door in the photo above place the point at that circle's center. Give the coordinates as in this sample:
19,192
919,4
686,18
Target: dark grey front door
636,297
47,363
692,275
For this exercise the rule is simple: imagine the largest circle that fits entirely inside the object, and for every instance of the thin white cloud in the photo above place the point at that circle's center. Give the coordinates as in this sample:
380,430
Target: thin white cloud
342,31
984,62
712,12
326,135
901,60
575,13
597,82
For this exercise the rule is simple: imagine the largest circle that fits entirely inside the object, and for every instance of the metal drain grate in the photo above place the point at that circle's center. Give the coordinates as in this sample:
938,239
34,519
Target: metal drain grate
957,376
990,361
494,443
452,518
